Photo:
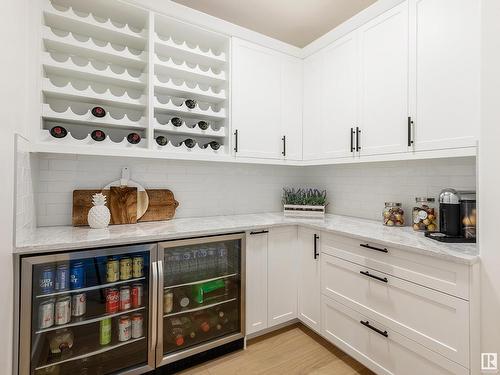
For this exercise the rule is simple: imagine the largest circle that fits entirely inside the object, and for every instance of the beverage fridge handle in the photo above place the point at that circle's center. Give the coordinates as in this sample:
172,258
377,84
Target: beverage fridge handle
154,304
159,308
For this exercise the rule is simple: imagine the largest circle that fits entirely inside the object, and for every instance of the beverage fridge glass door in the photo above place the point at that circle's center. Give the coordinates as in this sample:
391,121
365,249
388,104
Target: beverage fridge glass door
89,312
201,302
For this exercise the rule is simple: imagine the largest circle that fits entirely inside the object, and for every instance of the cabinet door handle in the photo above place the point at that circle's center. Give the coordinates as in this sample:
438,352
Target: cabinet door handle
366,273
352,139
259,232
236,140
284,145
410,138
380,332
316,238
358,138
384,250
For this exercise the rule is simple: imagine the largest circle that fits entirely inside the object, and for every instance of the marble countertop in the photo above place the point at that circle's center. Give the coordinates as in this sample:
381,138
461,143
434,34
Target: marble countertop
59,238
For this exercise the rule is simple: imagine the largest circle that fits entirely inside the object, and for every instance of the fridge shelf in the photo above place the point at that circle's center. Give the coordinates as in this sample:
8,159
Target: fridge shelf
90,354
199,308
101,286
90,321
202,281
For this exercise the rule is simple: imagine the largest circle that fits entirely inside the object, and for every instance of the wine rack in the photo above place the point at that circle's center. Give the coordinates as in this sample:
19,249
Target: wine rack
140,67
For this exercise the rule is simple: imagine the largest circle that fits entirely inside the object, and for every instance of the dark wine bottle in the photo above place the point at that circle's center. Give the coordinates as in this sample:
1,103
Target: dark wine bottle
213,144
161,140
98,135
58,132
176,121
190,103
203,125
190,143
133,138
98,112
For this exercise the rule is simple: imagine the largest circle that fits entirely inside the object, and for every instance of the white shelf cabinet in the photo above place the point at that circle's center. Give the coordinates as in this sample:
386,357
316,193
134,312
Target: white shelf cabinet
266,102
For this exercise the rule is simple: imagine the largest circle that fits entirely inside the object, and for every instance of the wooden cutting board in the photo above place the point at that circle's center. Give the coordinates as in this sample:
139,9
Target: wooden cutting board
123,204
162,205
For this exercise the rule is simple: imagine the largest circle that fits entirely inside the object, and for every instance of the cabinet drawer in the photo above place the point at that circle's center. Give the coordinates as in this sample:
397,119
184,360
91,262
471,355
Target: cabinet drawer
391,355
447,277
436,320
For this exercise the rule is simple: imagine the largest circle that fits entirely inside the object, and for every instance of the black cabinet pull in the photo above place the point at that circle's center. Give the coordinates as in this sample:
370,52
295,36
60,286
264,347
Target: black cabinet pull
284,145
352,139
358,138
367,324
366,273
384,250
259,232
410,139
316,238
236,140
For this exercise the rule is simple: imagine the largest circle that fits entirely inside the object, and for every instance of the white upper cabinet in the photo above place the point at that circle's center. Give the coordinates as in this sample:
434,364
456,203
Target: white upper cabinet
266,102
445,68
311,139
384,83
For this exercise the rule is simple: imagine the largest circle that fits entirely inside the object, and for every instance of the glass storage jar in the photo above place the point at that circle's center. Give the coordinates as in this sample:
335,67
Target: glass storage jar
393,214
424,215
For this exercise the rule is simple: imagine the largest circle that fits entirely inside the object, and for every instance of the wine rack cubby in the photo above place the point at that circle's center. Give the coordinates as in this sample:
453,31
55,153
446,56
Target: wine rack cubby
140,67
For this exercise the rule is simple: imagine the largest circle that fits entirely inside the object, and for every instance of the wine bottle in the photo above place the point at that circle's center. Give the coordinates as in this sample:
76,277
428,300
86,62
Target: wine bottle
98,135
190,103
133,138
213,144
190,143
58,132
176,121
203,125
98,112
161,140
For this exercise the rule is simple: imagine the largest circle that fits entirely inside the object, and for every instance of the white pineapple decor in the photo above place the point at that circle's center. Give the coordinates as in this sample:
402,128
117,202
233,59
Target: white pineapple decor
99,216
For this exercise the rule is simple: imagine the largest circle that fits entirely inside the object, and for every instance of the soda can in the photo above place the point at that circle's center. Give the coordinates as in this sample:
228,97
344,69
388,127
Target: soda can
137,266
124,328
168,301
112,300
137,326
125,268
46,280
46,314
137,295
125,298
63,310
62,277
78,304
105,331
77,276
112,270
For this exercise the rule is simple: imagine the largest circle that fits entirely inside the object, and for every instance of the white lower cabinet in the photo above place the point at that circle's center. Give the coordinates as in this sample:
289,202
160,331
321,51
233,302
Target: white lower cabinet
384,351
309,291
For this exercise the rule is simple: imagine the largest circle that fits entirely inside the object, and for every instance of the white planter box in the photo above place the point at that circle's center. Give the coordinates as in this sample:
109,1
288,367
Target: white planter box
304,211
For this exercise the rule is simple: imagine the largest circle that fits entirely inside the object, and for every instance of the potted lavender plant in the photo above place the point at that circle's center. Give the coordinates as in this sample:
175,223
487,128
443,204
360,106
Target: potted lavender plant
304,202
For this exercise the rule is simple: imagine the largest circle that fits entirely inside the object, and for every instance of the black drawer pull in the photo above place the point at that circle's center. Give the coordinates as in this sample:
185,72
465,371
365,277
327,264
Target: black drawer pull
384,250
367,324
366,273
260,232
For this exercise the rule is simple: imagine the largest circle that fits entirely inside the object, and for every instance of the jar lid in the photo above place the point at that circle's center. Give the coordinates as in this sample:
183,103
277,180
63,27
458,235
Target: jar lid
424,199
393,204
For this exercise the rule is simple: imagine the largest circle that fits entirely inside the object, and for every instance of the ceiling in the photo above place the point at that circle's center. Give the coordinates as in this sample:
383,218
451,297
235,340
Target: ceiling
297,22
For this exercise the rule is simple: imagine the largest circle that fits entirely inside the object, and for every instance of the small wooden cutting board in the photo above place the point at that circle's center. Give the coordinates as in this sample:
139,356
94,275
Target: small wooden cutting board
123,204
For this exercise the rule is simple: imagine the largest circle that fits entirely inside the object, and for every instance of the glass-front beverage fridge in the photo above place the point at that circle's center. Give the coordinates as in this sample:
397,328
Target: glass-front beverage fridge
129,309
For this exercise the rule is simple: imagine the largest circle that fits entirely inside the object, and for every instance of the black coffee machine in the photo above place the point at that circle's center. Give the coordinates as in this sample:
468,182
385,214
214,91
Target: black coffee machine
457,217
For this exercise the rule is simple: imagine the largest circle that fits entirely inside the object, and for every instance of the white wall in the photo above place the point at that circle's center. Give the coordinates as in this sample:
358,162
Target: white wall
489,179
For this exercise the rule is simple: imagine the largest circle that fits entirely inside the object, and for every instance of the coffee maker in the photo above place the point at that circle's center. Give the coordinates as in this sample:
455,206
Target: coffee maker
457,217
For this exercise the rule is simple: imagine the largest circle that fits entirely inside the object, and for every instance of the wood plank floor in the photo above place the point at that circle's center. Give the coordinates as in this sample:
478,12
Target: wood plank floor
293,350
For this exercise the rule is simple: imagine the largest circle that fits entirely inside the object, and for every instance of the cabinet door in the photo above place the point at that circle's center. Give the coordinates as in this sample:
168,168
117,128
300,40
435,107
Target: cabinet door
445,72
311,137
339,97
291,107
282,275
309,278
256,282
256,100
384,82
